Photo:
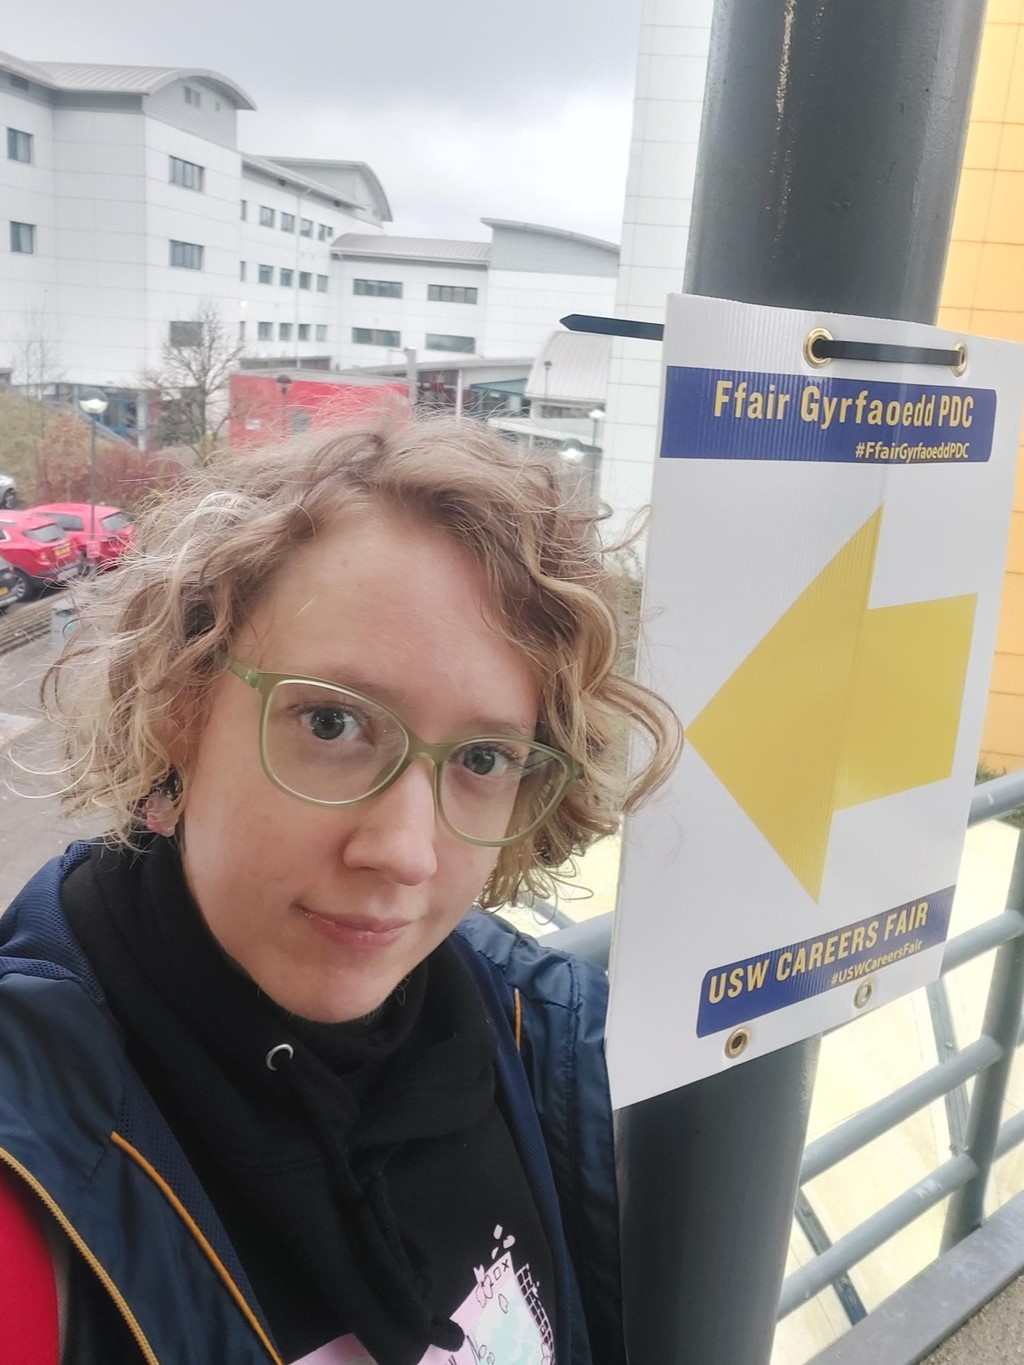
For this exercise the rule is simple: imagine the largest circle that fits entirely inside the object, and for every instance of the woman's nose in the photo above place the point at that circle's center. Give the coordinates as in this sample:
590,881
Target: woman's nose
395,832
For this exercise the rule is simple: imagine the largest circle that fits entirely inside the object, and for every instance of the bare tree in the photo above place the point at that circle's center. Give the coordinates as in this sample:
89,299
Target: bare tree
191,381
37,367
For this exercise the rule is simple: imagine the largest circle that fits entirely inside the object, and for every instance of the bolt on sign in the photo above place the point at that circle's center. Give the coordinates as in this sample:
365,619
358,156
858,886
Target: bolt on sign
823,578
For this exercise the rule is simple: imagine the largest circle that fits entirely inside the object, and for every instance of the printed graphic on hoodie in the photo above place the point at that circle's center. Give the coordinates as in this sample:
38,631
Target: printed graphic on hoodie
503,1318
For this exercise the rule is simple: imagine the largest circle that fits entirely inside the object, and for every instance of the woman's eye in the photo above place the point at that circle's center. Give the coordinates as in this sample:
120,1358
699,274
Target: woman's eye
485,760
331,722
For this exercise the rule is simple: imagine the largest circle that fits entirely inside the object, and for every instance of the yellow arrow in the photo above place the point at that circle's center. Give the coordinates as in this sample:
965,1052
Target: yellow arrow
838,704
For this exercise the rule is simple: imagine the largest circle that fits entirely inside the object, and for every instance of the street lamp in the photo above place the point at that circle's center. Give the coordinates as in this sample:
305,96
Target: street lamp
572,451
93,403
596,415
283,383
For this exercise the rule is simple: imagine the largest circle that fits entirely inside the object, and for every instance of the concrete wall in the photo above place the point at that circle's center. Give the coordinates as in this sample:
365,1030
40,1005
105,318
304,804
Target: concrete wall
524,307
674,37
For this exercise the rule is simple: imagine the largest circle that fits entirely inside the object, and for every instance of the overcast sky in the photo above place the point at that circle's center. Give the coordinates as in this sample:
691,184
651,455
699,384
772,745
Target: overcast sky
464,108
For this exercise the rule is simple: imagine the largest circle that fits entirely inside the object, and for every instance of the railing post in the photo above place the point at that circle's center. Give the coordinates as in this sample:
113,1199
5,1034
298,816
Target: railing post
829,158
966,1211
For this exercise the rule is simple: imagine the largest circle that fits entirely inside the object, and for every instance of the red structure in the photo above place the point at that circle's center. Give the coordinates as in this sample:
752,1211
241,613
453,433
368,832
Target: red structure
266,408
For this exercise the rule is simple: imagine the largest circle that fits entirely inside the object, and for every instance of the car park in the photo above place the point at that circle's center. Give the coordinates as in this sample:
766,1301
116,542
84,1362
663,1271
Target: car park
38,552
114,530
8,491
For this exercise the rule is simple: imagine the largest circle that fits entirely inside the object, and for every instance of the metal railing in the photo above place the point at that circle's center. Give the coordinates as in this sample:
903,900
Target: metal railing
987,1060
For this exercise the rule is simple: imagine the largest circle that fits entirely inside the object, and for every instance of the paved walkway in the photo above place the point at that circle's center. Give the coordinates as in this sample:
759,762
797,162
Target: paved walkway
996,1334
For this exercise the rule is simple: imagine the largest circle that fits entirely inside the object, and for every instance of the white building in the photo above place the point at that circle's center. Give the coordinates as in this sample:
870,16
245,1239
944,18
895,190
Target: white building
447,298
671,67
126,206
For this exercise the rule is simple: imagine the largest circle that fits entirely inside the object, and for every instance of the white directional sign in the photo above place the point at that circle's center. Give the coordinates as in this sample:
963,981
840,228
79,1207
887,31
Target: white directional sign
822,591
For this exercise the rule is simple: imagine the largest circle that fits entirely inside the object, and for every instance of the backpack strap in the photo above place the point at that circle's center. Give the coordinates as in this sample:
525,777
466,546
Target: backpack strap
29,1326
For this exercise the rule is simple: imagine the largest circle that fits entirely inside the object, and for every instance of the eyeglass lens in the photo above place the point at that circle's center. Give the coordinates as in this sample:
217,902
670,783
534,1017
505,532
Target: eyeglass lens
328,744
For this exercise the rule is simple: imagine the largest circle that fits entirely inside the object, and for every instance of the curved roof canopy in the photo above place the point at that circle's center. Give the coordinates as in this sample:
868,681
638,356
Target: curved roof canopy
121,80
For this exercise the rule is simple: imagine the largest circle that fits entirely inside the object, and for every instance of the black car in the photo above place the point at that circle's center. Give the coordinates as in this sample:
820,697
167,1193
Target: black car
9,585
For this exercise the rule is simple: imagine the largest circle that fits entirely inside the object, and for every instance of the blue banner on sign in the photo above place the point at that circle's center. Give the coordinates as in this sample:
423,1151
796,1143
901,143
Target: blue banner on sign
756,986
744,415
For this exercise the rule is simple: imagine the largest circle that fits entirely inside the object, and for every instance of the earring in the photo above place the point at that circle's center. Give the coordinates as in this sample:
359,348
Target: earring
158,809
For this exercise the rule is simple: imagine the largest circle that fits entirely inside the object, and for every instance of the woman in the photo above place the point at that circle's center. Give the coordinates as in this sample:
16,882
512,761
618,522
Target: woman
275,1094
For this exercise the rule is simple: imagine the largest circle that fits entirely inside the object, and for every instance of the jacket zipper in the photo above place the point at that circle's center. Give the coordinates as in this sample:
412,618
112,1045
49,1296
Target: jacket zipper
75,1239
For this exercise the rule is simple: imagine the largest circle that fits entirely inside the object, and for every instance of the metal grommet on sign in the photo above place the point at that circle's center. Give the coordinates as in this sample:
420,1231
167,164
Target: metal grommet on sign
961,351
282,1052
736,1043
810,354
863,994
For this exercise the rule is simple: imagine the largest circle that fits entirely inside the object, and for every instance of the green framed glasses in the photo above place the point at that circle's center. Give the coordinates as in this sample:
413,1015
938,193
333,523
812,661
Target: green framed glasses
333,746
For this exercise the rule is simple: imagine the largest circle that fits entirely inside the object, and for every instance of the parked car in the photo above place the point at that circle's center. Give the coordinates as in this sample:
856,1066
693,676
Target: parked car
8,491
115,531
8,584
37,550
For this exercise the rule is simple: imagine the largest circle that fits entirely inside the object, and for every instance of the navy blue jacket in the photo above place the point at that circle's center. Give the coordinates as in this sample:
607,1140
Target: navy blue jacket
78,1126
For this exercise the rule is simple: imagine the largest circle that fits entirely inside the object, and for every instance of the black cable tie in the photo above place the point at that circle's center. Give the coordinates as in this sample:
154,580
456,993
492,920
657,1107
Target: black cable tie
614,327
829,348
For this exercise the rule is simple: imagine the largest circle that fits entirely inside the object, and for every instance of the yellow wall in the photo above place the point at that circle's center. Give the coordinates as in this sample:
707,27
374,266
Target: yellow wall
983,292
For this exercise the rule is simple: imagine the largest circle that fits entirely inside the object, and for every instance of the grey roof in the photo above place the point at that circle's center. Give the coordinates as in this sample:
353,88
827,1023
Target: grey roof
125,80
281,172
550,232
578,370
109,79
302,163
413,248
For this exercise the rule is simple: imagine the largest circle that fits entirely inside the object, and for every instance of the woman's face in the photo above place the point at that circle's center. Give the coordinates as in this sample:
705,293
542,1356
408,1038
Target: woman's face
327,910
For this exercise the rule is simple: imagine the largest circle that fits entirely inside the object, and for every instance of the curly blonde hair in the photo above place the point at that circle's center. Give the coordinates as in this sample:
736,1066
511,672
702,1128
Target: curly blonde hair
133,683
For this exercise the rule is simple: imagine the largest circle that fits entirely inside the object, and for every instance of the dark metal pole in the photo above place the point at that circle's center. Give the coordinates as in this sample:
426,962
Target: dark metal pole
830,153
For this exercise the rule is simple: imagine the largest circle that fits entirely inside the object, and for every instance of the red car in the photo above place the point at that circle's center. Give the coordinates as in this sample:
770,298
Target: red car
114,530
37,550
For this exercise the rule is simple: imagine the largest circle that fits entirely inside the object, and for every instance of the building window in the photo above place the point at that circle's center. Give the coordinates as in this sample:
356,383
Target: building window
375,336
267,216
186,173
241,330
303,331
241,271
451,293
436,342
266,273
188,333
245,209
321,284
265,331
306,227
305,280
19,145
321,331
193,97
286,277
325,234
186,255
23,238
378,289
287,222
284,331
